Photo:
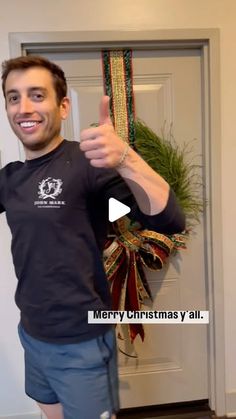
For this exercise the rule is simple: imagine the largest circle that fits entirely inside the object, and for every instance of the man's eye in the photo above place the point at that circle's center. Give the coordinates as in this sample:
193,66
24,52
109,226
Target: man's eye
38,96
13,99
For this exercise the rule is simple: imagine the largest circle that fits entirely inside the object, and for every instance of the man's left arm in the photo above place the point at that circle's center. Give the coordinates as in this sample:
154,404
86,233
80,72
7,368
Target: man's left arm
105,149
151,191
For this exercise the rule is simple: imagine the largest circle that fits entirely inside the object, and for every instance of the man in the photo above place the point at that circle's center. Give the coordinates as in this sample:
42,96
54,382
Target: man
56,207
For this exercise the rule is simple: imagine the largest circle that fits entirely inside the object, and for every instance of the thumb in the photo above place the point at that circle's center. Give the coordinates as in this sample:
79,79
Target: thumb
104,111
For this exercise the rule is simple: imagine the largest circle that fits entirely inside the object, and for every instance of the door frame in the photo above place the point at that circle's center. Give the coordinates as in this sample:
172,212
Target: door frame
207,41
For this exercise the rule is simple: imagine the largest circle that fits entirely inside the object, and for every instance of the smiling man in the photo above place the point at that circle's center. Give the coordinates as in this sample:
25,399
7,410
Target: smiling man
33,109
56,204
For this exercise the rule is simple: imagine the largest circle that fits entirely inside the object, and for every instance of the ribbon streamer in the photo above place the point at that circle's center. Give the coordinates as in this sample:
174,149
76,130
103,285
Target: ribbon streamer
118,84
124,260
133,248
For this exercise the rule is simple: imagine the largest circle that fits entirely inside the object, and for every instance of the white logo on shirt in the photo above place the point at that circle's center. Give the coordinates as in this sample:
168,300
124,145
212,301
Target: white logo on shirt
50,188
48,191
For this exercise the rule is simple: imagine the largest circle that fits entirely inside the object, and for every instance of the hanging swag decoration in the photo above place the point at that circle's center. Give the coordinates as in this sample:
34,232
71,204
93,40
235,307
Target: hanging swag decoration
132,247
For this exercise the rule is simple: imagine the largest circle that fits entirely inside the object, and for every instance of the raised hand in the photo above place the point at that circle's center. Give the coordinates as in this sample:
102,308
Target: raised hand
101,145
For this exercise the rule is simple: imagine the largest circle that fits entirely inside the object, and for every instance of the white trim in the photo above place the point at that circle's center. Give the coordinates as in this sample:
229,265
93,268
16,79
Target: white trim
231,404
208,41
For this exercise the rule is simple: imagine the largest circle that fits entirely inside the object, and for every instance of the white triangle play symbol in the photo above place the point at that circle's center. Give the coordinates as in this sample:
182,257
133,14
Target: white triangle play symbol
116,209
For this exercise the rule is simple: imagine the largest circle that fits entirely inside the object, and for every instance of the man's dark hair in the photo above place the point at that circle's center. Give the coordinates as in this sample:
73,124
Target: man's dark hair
25,62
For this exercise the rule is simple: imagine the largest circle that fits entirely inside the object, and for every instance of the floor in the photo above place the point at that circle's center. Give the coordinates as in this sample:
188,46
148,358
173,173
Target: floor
200,415
179,417
192,410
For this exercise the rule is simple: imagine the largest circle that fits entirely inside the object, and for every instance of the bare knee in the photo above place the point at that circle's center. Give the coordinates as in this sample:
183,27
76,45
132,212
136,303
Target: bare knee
55,411
52,411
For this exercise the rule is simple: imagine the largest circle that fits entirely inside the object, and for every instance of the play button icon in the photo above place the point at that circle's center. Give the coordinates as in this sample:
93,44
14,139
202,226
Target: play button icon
116,209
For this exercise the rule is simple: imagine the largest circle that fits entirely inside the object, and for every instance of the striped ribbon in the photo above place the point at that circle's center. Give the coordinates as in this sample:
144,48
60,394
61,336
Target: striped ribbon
133,248
118,84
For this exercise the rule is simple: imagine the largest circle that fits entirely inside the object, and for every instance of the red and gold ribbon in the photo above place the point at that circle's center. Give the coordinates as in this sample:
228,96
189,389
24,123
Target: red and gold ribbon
118,84
125,257
133,248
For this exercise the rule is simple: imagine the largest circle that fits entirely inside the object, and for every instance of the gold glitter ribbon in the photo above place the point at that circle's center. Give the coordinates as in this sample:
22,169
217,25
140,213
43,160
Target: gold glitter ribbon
133,248
119,95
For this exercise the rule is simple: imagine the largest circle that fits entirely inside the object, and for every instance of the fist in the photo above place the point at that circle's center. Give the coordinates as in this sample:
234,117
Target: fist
101,145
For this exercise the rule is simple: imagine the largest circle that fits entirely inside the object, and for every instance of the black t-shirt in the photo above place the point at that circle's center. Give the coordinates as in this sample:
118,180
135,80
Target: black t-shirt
57,209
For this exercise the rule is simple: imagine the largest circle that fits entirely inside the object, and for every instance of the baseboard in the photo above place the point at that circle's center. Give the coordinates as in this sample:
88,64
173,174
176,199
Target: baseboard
192,409
231,404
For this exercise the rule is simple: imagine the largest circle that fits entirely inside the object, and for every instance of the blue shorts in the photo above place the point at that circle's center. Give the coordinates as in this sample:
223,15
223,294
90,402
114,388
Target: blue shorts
81,376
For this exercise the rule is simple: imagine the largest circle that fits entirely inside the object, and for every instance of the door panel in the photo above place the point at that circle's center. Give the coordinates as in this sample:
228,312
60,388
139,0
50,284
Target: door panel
172,362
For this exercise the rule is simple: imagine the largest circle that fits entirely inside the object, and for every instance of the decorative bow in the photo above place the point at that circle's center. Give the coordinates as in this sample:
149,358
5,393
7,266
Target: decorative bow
125,257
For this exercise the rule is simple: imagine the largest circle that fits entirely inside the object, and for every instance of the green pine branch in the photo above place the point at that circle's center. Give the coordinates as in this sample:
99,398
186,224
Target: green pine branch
175,164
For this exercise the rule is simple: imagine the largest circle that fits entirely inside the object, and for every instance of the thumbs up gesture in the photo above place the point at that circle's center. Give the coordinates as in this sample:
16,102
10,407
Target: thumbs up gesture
101,145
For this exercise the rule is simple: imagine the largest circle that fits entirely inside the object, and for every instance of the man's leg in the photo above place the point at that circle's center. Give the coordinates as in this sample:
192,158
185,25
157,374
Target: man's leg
83,377
52,411
86,381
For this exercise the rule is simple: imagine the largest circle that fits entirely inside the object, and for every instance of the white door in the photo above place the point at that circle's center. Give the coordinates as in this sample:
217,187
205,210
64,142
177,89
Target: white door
172,362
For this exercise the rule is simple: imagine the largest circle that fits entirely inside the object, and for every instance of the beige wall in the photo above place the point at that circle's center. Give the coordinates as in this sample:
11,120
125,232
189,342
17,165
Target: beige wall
58,15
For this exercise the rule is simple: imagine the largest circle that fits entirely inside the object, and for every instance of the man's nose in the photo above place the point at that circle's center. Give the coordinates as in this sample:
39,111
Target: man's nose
26,106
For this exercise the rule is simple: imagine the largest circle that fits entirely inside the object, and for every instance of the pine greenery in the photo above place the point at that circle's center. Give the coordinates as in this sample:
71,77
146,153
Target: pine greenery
174,163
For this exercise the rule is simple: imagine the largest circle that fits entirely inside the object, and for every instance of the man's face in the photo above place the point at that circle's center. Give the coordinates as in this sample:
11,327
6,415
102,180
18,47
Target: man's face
32,108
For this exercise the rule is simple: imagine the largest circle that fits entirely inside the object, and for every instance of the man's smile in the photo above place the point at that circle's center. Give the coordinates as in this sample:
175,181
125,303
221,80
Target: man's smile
28,124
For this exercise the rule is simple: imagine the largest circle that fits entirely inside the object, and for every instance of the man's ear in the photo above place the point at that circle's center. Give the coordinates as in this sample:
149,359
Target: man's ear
65,107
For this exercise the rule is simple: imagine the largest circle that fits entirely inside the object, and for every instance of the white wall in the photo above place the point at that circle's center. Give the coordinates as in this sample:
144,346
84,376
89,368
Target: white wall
58,15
